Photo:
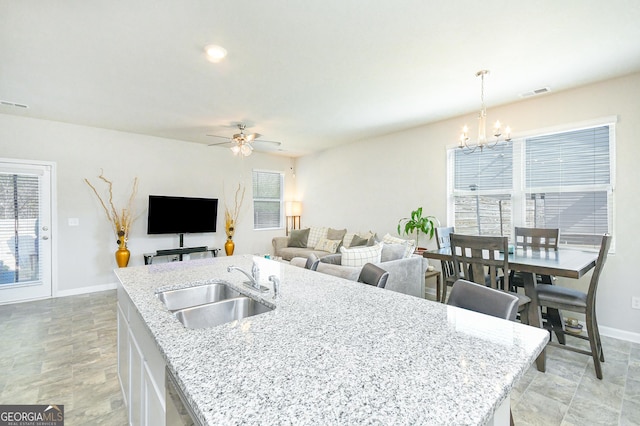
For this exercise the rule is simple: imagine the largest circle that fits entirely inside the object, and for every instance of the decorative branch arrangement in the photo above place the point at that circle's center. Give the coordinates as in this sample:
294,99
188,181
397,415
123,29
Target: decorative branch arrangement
231,216
122,219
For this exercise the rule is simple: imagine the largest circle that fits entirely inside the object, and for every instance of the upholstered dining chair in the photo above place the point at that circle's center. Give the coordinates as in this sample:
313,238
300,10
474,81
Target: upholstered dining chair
443,238
312,262
482,259
373,275
479,298
563,298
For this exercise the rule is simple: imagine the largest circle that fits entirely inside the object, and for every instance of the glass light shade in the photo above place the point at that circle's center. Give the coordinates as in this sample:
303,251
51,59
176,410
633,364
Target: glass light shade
293,208
246,150
235,149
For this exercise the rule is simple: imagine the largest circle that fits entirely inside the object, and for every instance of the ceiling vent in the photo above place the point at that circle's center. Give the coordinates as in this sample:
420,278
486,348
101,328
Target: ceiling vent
13,104
535,92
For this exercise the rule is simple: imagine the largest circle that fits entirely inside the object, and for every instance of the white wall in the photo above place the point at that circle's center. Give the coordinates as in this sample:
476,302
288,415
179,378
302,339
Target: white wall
367,185
370,184
163,167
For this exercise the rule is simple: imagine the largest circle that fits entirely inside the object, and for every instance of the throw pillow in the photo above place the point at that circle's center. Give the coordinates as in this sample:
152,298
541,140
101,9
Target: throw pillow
348,237
392,252
357,240
358,256
315,234
326,244
336,234
409,244
298,238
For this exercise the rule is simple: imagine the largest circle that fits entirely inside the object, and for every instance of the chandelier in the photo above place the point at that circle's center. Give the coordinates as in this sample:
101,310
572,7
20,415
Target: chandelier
482,142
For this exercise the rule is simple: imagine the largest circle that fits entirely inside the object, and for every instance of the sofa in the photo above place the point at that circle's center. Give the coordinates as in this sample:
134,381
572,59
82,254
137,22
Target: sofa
344,258
318,240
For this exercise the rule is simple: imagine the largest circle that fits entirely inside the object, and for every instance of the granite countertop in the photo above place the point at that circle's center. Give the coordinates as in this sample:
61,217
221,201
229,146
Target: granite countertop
333,351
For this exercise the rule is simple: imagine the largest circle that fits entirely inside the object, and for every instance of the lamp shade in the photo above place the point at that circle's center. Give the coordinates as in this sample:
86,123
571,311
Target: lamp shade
293,208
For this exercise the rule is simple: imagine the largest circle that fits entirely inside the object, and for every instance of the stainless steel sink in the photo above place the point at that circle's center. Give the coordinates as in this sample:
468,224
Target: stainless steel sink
218,313
198,295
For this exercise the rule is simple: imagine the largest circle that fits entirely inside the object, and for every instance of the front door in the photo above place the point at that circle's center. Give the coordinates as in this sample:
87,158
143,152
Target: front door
25,230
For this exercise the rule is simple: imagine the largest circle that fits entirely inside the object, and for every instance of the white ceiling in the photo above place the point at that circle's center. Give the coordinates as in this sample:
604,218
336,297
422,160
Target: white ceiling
312,73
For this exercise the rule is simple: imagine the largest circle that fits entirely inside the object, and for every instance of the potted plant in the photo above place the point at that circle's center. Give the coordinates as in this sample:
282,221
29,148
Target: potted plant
418,223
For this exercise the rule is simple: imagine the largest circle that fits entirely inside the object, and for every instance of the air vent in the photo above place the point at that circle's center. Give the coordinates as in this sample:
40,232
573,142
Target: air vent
12,104
535,92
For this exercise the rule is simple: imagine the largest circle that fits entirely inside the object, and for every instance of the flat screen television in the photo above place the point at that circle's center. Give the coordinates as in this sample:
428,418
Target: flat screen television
181,215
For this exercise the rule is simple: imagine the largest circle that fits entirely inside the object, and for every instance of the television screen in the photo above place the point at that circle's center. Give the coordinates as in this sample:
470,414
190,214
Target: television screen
181,215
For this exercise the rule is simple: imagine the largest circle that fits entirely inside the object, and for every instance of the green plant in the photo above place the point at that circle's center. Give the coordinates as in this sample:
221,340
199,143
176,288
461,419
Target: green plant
418,223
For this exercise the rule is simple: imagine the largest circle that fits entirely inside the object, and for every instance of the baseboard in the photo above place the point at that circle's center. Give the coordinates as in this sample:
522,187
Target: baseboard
85,290
619,334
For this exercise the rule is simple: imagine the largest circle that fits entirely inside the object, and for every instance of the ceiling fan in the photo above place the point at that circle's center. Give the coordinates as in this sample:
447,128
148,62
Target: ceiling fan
242,143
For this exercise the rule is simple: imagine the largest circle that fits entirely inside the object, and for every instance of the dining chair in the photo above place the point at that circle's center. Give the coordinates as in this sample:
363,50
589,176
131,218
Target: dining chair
443,239
536,239
485,300
540,240
312,262
479,298
482,259
373,275
558,297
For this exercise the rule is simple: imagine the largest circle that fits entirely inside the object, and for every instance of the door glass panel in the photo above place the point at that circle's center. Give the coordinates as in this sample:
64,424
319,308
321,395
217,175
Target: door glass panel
19,228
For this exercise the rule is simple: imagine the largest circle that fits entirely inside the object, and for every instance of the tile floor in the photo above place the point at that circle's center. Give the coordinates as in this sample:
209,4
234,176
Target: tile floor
63,351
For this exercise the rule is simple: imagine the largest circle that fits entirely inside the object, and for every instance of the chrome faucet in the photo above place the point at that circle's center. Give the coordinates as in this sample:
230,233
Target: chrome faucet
276,285
255,273
254,276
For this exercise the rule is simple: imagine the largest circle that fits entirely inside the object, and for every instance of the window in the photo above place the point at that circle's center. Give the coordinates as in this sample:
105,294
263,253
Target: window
561,180
267,199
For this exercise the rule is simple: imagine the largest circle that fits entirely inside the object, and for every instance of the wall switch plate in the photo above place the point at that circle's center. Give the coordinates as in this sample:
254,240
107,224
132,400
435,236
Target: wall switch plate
73,221
635,302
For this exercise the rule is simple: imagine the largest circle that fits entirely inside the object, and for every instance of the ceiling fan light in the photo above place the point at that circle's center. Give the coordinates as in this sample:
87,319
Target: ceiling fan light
235,149
246,150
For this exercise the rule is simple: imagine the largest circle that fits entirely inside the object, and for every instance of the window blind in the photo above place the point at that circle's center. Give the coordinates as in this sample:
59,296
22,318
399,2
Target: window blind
267,199
19,212
568,182
483,170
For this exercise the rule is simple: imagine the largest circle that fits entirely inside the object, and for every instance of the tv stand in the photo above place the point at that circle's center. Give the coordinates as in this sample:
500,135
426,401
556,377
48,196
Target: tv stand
148,257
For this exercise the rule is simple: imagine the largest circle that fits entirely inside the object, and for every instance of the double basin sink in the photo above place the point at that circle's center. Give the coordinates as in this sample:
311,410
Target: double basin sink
210,305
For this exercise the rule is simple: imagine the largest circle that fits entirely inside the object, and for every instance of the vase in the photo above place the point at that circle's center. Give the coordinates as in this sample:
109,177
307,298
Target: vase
229,246
122,255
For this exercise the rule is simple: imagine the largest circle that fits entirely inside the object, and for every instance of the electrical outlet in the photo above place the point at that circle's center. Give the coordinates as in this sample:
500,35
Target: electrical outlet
635,302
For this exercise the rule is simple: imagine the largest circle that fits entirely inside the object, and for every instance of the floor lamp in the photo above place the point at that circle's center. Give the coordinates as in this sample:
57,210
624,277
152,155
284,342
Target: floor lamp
293,210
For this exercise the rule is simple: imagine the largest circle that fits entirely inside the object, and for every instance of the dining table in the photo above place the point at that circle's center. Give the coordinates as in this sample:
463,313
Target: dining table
562,262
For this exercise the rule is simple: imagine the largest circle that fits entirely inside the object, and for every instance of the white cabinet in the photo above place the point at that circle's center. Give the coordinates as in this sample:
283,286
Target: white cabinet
153,400
136,361
140,367
123,353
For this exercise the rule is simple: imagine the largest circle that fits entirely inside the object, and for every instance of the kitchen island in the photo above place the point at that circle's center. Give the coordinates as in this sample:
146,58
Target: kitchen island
331,352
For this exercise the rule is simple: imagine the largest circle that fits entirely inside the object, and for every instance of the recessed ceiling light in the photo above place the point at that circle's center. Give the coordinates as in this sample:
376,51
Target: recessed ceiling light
215,53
